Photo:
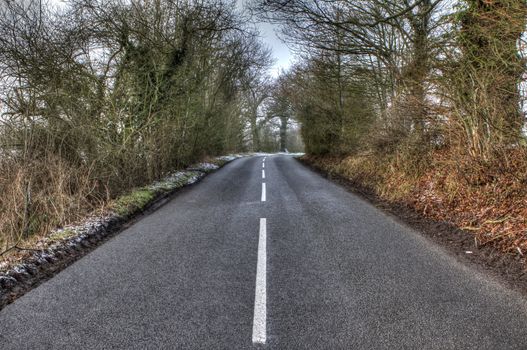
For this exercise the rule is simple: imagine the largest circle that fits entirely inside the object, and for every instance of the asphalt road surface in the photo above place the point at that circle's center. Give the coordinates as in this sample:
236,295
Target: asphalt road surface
299,263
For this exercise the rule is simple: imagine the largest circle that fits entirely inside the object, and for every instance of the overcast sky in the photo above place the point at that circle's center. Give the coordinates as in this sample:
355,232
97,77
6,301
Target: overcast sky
281,52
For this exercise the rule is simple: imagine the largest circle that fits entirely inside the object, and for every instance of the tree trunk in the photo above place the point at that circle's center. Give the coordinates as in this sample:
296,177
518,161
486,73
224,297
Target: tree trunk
283,134
418,67
255,135
490,30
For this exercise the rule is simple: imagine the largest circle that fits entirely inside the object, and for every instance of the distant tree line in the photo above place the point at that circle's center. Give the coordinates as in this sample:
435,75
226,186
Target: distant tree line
406,77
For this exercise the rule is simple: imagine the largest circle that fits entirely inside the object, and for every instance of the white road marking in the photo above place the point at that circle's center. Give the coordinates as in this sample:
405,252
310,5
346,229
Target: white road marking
263,174
263,165
263,192
260,296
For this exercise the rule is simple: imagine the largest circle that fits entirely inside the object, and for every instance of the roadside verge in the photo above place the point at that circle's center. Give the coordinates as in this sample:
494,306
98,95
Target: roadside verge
48,256
507,268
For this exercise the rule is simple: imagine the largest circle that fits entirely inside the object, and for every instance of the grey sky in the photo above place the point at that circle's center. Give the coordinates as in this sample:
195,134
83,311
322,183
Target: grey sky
281,52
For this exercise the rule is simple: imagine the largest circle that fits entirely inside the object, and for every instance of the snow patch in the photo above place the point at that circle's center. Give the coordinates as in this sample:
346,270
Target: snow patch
54,246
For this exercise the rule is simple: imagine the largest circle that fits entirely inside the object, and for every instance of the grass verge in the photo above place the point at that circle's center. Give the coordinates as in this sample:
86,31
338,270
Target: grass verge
507,266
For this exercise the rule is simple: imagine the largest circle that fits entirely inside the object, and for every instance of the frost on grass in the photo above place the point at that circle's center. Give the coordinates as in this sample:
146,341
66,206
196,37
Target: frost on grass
176,180
136,200
170,182
204,167
228,158
73,236
62,234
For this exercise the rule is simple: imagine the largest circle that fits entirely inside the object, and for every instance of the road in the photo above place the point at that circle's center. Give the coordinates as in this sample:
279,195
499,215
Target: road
324,270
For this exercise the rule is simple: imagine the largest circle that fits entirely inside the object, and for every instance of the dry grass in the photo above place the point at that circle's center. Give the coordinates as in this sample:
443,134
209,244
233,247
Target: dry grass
40,195
489,200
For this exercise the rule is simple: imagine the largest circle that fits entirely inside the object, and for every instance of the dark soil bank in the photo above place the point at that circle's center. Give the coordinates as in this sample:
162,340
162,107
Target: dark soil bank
510,269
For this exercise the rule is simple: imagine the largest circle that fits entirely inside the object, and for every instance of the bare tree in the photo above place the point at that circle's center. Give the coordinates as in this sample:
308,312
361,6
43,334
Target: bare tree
104,95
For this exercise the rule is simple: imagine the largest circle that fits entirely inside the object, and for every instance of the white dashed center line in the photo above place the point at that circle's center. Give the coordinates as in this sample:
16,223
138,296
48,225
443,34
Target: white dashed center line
260,297
263,174
263,192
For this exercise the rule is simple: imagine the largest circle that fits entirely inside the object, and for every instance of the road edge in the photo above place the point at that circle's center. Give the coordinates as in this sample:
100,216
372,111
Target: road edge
40,265
508,269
